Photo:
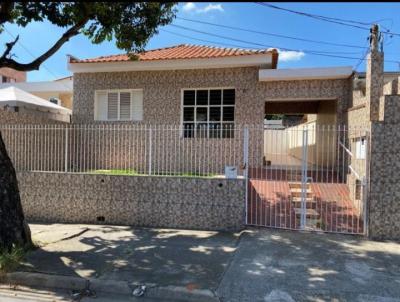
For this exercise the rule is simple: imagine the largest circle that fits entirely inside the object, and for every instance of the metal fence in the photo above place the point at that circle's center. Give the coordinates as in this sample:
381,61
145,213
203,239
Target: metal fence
312,177
302,177
124,149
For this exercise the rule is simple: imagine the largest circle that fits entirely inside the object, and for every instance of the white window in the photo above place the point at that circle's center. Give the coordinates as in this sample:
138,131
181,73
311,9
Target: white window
361,148
118,105
208,112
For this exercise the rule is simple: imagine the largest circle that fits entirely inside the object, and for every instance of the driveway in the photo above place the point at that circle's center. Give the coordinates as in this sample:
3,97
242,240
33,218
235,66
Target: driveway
255,265
272,265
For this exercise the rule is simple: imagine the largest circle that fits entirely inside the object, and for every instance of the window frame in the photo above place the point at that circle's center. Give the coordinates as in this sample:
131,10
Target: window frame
118,91
208,106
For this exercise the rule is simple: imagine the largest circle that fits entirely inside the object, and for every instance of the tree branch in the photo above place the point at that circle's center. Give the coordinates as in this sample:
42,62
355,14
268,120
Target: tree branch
35,64
9,47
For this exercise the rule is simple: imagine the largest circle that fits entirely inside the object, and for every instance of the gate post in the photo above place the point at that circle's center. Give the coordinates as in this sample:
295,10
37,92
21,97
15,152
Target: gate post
304,178
246,166
365,189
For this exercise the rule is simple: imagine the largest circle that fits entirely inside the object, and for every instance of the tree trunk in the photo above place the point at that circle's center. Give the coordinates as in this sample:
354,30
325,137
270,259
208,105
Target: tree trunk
14,231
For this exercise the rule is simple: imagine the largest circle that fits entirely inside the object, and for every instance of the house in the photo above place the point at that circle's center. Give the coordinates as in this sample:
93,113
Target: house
196,85
208,91
19,106
202,87
9,75
191,110
58,92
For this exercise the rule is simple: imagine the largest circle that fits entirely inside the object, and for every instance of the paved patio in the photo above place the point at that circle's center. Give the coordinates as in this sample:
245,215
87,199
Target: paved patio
269,204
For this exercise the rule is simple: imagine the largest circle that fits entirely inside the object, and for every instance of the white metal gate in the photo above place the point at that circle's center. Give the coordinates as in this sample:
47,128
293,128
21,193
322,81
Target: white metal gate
307,177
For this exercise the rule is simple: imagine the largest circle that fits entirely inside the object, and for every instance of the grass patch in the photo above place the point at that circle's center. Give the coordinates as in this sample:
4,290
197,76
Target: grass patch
116,172
135,173
9,261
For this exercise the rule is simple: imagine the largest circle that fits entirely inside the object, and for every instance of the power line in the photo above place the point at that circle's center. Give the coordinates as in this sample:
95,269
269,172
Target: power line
314,52
31,54
319,17
207,41
247,42
345,22
272,34
362,59
315,15
229,44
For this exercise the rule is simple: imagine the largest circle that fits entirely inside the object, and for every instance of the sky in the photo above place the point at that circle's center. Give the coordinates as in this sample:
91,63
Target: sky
37,37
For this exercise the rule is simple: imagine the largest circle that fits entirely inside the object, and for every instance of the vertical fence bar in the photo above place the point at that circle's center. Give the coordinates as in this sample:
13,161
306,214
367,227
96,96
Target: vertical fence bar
304,180
246,166
66,150
150,148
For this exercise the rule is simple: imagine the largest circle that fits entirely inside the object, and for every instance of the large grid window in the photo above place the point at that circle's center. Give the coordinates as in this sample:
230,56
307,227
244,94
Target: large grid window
208,113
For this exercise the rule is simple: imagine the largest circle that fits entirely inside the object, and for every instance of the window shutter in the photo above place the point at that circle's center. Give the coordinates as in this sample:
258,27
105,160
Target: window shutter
125,106
112,112
137,105
100,106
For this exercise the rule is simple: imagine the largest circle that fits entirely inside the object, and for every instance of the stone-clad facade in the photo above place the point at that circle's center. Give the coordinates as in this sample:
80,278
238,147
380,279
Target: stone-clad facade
382,110
384,200
162,92
162,95
174,202
18,118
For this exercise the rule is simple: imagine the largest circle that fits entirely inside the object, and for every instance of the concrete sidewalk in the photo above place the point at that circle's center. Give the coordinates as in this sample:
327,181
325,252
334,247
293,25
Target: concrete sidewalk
165,260
26,294
272,265
255,265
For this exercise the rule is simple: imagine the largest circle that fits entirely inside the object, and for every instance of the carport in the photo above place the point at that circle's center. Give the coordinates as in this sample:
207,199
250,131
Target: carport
18,100
302,183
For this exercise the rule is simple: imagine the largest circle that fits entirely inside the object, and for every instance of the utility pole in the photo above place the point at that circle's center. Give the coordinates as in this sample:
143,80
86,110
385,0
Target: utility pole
374,74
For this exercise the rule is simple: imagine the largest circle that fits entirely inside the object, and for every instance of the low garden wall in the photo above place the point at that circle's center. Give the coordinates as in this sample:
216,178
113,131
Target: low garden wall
148,201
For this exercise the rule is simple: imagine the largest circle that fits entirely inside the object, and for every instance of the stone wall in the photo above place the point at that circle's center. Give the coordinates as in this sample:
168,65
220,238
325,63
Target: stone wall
392,87
384,201
10,117
172,202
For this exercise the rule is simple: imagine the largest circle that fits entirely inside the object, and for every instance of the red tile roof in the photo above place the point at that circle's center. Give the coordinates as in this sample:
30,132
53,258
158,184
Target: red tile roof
183,51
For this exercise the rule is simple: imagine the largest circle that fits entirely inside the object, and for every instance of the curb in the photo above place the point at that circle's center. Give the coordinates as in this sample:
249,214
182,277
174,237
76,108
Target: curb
41,280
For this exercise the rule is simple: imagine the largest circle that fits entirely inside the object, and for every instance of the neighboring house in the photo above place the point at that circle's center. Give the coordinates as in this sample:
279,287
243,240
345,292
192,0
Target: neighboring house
9,75
58,92
14,100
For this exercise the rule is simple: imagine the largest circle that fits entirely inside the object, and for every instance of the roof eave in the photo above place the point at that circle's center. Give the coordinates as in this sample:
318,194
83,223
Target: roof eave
43,108
264,59
40,87
319,73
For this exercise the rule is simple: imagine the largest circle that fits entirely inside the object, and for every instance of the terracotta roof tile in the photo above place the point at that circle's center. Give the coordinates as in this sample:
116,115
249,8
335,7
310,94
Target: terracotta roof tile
183,51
